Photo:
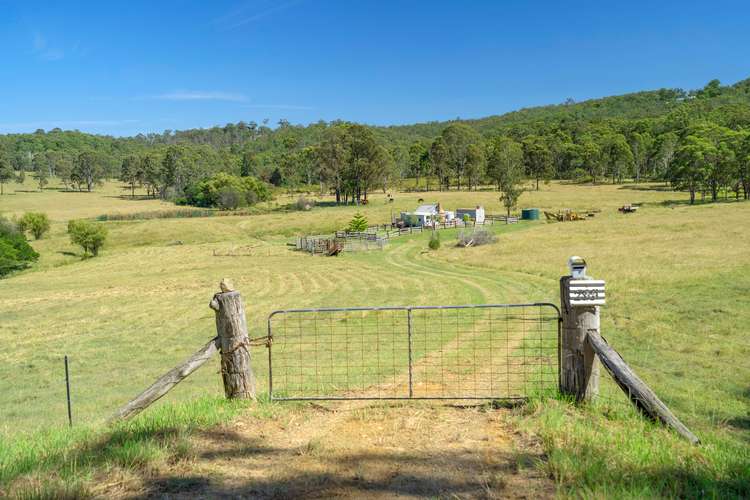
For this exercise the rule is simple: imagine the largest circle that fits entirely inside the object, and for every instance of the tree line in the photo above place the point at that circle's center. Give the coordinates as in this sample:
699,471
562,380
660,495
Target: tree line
695,140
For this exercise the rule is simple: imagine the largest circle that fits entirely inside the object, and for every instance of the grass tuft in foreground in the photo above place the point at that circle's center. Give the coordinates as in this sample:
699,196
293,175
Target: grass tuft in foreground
607,450
65,463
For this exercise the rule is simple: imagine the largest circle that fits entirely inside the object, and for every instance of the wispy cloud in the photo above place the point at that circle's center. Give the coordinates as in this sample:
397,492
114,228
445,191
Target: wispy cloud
251,12
279,106
196,95
44,51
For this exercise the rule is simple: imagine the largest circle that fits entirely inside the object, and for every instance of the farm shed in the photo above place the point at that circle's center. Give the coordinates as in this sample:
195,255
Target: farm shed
430,213
476,214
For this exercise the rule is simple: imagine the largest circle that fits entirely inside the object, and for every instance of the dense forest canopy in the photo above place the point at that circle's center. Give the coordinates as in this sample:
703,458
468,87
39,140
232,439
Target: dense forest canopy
696,139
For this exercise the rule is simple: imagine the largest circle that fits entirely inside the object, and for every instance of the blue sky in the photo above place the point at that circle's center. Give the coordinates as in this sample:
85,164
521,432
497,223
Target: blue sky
129,67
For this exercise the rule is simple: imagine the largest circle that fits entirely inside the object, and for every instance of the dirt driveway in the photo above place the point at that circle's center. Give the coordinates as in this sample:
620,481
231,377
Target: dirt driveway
361,450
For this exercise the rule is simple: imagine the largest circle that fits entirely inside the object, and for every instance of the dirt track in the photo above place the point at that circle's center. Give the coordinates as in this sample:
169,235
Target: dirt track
360,450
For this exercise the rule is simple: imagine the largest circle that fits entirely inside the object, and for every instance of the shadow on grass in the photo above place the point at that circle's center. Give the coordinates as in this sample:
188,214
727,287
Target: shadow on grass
647,187
127,197
670,203
311,471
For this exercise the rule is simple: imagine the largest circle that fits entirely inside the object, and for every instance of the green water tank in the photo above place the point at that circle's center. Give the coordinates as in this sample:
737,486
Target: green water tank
530,214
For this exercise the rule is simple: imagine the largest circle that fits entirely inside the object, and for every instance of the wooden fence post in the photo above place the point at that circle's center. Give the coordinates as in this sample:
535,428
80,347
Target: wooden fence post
231,327
579,366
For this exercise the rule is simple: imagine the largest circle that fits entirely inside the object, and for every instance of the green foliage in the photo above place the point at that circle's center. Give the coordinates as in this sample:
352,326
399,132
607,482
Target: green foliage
6,173
434,243
410,220
131,173
358,223
505,165
466,218
35,222
537,157
88,235
628,136
41,170
15,252
227,192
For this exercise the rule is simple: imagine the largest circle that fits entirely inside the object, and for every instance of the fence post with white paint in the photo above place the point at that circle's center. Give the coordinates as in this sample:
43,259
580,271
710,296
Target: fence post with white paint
580,298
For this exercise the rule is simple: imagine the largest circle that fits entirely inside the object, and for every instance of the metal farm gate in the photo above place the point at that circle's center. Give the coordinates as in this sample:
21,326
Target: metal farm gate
492,351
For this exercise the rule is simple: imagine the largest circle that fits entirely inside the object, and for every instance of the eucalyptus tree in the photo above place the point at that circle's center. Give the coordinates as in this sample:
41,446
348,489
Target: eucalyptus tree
332,158
419,161
505,168
7,173
743,163
691,166
458,138
664,151
87,170
619,157
438,155
41,170
474,169
591,158
130,173
537,158
247,163
640,144
149,166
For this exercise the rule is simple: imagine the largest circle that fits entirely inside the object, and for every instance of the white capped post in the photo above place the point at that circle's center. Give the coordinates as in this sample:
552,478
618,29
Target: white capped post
580,298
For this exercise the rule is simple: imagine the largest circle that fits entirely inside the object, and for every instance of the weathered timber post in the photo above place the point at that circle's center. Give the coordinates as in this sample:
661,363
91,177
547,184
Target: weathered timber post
579,366
231,327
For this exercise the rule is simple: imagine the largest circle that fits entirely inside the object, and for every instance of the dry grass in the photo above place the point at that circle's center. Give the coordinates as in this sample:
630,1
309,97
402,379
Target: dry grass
678,285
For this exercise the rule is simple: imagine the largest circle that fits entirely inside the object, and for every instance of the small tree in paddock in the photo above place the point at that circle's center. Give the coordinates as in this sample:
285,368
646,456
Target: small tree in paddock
358,223
434,243
88,235
35,222
7,173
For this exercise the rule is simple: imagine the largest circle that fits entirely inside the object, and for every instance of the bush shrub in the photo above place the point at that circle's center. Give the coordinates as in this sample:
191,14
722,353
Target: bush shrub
227,191
15,252
35,222
88,235
230,198
434,243
475,238
304,203
466,218
411,220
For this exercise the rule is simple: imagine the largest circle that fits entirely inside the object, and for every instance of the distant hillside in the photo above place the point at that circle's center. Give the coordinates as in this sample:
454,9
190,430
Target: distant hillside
635,106
222,148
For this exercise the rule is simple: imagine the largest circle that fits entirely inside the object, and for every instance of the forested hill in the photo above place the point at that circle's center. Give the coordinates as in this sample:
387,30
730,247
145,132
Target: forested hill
619,136
725,105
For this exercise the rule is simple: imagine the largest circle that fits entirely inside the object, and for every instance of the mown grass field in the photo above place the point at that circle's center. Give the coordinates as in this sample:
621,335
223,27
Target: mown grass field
678,280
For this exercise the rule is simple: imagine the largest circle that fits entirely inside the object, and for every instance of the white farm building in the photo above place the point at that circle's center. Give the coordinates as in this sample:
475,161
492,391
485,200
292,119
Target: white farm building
476,214
428,214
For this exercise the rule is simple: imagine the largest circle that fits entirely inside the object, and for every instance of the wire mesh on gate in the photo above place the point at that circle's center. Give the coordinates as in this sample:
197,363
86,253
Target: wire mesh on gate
501,351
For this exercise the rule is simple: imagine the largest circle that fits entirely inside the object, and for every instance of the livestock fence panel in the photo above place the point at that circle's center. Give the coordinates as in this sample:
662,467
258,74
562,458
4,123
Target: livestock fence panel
488,351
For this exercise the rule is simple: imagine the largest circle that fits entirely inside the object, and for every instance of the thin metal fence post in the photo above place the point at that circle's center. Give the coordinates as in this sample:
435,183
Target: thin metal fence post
269,343
408,329
67,391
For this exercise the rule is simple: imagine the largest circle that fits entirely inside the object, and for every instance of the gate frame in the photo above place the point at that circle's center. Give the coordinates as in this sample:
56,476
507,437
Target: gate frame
408,309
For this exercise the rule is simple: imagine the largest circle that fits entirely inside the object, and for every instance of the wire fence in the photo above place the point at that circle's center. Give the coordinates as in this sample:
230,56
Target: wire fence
503,351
